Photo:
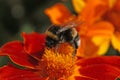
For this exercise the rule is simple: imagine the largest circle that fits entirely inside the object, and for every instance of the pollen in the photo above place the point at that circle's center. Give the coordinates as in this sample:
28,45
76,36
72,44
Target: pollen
54,65
65,48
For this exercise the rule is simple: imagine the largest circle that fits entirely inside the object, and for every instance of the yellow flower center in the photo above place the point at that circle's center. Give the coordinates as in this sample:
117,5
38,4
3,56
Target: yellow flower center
55,65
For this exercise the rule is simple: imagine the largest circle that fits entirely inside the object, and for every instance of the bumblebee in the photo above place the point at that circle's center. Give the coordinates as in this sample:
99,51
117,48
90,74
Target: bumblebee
60,34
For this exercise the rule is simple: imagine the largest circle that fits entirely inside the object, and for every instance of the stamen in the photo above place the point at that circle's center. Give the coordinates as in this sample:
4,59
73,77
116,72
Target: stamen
55,65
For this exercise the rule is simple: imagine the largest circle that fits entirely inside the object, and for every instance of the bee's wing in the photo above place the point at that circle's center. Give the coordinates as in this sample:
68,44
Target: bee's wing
70,25
64,28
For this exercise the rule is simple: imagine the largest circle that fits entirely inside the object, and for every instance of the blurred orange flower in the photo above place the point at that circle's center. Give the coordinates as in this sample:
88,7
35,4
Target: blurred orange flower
102,19
113,16
98,31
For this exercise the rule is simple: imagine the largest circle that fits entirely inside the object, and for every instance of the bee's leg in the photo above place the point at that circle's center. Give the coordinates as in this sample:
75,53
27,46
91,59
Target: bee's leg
74,44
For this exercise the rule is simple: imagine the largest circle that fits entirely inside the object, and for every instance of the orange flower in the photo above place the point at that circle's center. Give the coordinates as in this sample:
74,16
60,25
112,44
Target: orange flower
54,65
99,31
21,53
94,32
102,23
113,16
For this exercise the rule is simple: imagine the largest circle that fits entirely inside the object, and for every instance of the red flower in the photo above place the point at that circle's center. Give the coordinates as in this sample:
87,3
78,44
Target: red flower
10,72
34,44
21,53
46,64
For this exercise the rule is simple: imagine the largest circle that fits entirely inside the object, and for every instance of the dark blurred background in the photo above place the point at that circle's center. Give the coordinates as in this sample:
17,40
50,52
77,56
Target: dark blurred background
17,16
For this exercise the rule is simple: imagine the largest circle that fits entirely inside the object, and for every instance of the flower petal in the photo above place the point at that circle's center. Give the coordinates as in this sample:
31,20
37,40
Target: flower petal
83,78
78,5
112,3
103,44
17,54
93,10
101,34
87,48
100,72
58,13
11,73
116,41
102,29
34,44
117,5
113,17
111,60
100,68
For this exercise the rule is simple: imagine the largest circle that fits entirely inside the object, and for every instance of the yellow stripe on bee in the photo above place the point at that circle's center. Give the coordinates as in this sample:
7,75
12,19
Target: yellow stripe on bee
50,34
74,32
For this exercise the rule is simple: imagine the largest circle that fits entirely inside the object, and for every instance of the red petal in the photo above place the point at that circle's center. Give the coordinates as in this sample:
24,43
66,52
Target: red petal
111,60
100,71
34,44
11,73
100,68
17,54
83,78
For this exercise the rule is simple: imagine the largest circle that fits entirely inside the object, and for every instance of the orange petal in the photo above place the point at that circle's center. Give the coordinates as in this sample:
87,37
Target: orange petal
116,41
112,3
101,34
15,51
103,44
94,10
34,44
100,68
87,48
114,18
11,73
58,13
78,5
117,6
102,29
